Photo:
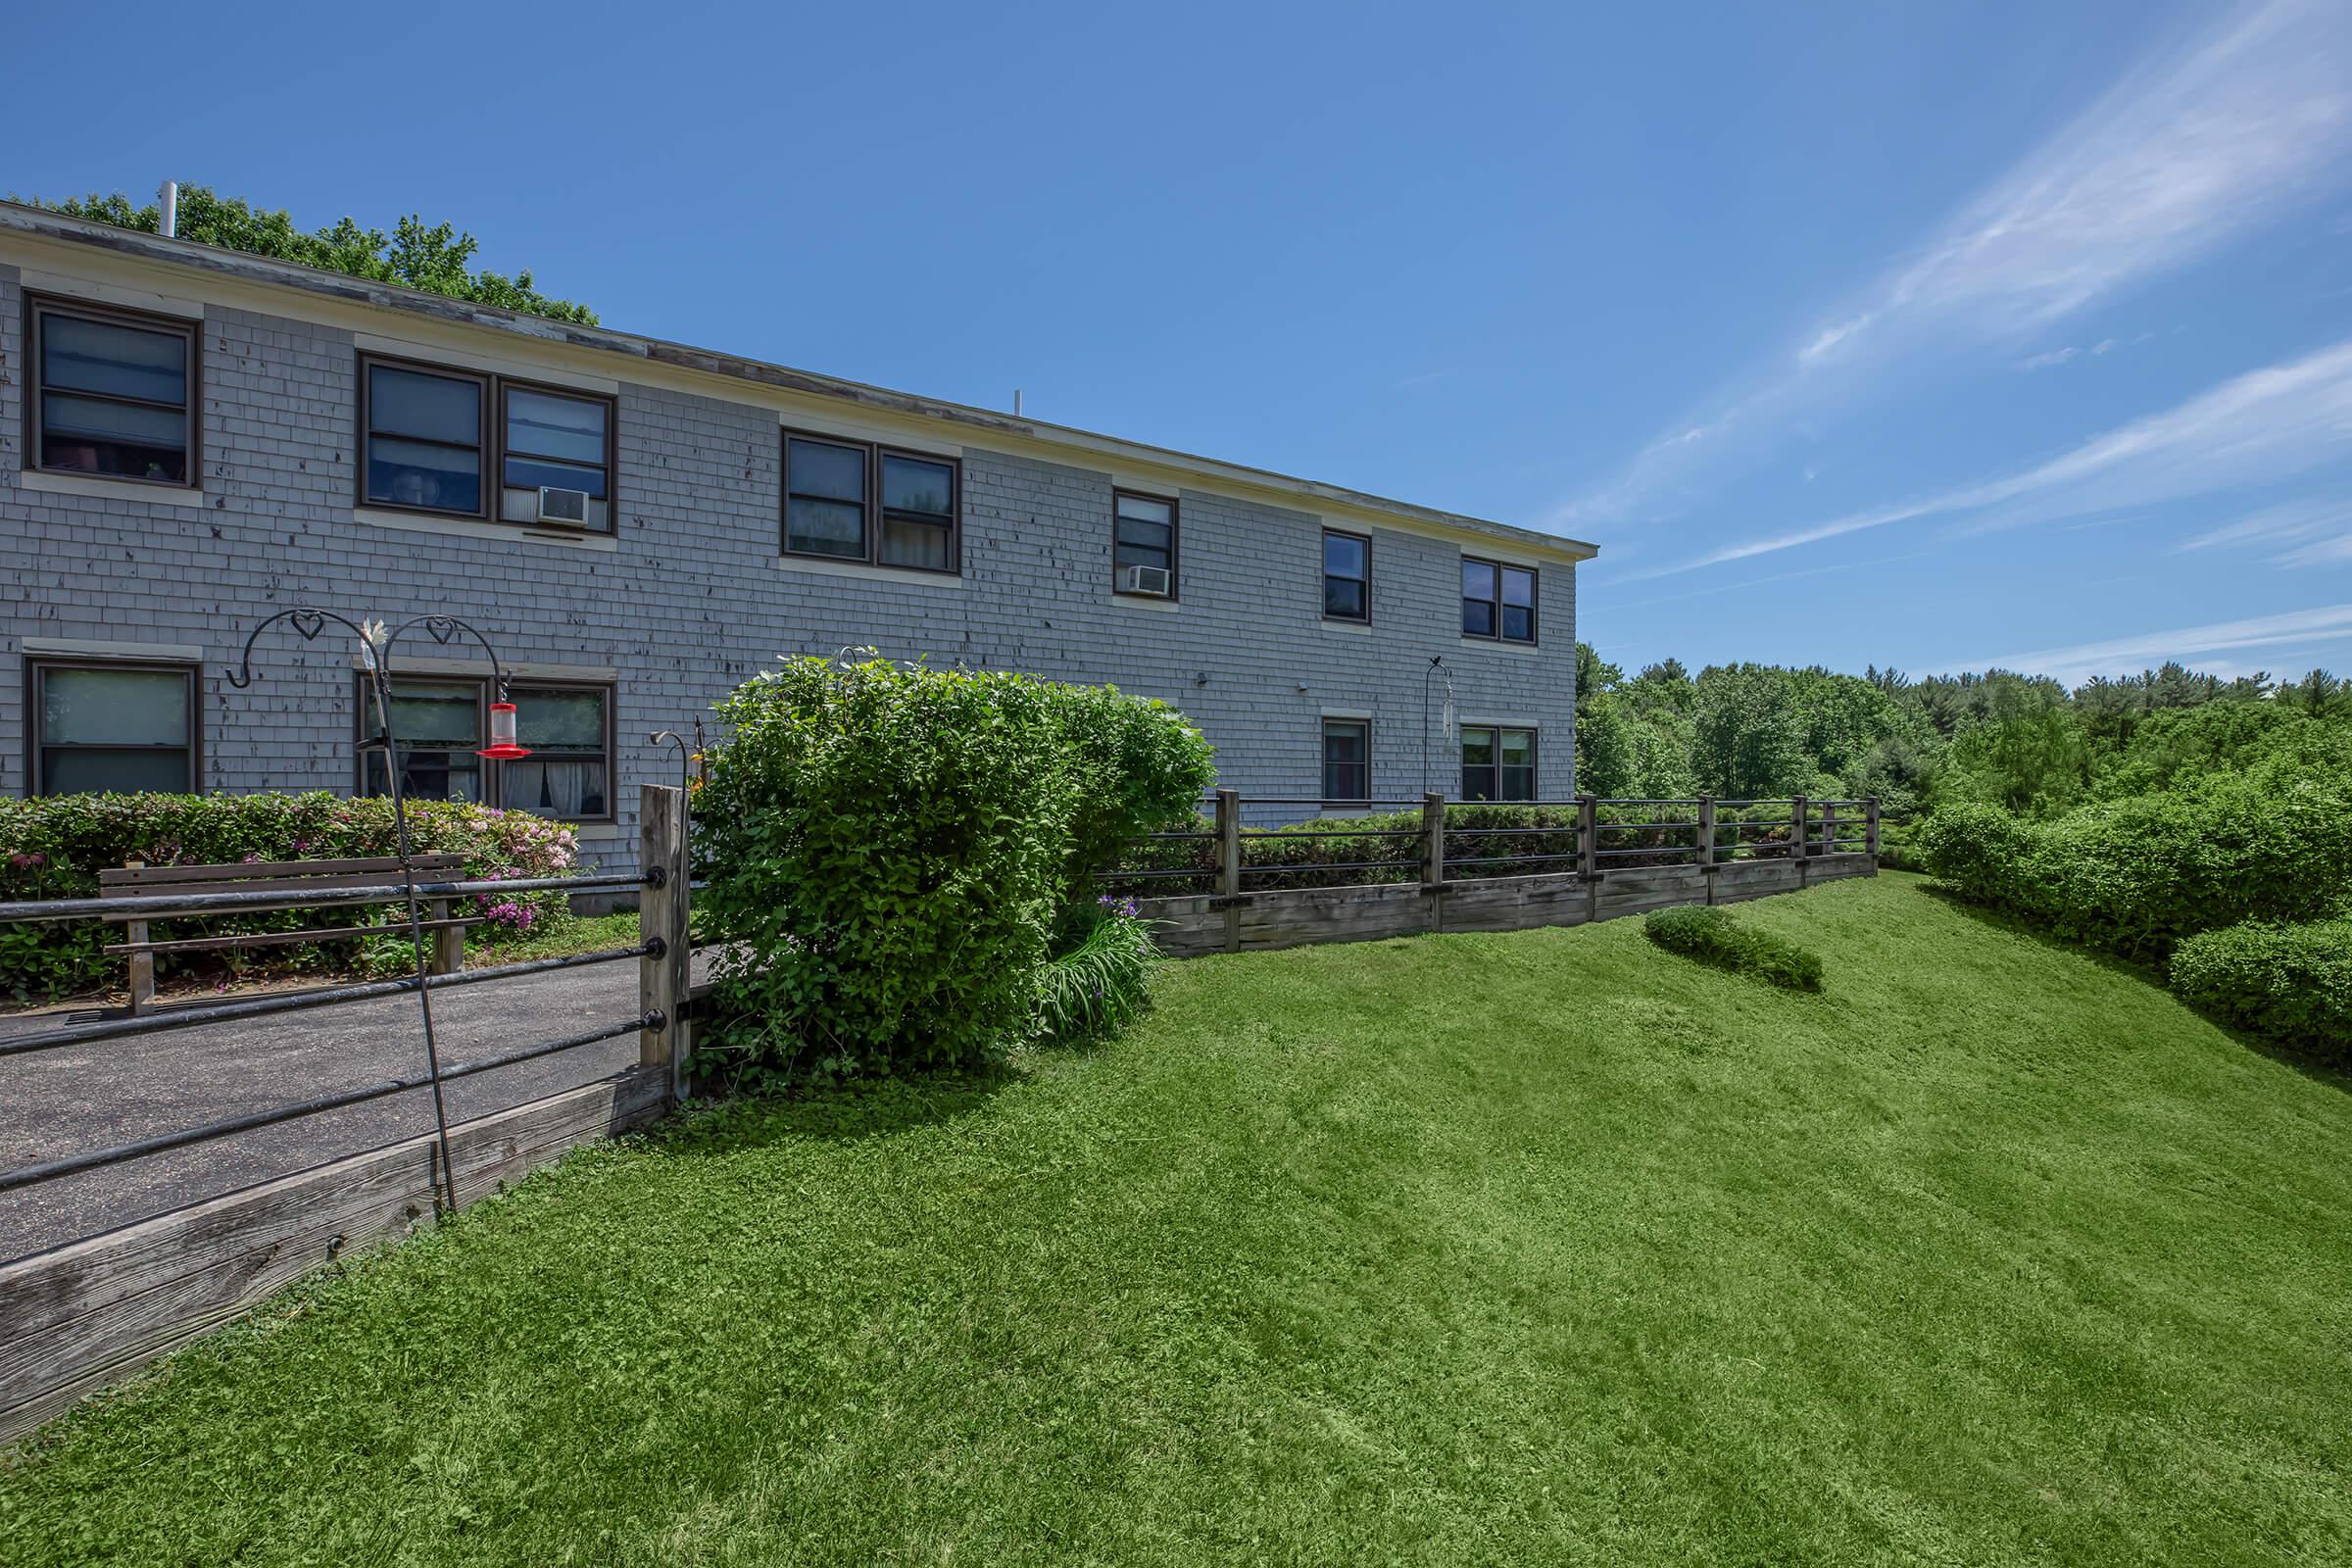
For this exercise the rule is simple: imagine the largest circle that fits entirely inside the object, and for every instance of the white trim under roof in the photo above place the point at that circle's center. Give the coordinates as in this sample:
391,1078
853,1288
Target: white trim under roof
658,361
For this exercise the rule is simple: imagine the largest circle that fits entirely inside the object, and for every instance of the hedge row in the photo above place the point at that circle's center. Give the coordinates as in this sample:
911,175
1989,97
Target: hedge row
2291,984
2242,881
54,846
2138,877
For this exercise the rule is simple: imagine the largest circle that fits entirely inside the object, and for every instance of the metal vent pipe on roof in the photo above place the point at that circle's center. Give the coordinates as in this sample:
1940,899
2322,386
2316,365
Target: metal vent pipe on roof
169,194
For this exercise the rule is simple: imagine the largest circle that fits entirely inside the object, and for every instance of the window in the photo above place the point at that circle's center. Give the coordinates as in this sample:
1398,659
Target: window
1143,533
127,727
427,445
918,513
1498,764
825,499
423,433
440,725
1347,760
553,440
1499,601
830,490
1346,577
116,395
567,773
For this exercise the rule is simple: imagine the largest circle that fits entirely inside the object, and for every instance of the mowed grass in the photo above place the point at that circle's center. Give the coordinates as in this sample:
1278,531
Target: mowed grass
1548,1247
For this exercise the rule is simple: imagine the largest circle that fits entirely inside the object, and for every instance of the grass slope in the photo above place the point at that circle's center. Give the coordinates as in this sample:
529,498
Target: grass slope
1545,1247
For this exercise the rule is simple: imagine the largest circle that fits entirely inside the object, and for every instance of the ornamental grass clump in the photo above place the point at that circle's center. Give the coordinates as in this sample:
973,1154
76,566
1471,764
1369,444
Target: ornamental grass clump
1102,984
1712,937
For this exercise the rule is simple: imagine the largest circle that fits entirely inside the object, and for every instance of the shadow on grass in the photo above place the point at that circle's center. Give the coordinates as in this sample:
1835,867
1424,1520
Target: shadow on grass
878,1108
2150,975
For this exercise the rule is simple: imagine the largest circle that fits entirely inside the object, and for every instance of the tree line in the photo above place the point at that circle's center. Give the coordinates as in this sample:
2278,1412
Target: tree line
2027,743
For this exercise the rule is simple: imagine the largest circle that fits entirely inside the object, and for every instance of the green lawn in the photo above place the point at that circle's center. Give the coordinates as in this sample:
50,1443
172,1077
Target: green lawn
1534,1249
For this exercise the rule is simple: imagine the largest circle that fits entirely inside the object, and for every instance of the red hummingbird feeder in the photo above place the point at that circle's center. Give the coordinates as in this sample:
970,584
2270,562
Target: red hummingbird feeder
502,734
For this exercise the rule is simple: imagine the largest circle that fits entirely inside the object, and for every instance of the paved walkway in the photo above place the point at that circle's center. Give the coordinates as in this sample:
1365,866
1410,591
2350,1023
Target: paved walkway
81,1098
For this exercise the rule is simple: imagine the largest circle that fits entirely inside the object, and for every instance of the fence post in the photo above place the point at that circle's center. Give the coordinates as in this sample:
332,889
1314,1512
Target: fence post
1706,843
142,962
1828,827
1587,836
1799,827
1229,863
449,940
663,980
1433,856
1870,831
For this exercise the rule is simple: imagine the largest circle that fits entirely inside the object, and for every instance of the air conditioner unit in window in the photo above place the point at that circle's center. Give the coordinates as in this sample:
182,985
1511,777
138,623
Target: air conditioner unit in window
567,508
1152,581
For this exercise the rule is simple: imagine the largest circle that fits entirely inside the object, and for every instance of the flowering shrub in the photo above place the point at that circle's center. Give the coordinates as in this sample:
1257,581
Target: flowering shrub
54,846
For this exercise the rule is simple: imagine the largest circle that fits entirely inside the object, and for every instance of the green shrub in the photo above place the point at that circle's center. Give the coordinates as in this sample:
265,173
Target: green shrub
885,846
1100,984
54,846
1142,767
2136,876
1978,851
2290,984
1712,937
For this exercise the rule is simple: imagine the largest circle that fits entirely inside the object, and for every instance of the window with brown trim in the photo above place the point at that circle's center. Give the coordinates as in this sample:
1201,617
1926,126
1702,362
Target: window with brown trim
424,432
1347,760
1143,545
1499,601
467,444
858,502
1499,763
552,440
115,394
107,726
440,723
1346,577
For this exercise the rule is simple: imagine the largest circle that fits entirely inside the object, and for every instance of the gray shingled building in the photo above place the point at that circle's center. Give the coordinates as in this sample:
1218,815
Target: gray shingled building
192,439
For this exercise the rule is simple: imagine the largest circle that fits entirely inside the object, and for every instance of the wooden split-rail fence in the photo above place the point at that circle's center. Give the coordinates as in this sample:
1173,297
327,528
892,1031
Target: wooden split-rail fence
1477,866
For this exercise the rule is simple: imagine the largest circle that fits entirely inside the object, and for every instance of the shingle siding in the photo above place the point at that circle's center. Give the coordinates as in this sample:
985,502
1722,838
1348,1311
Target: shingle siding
695,598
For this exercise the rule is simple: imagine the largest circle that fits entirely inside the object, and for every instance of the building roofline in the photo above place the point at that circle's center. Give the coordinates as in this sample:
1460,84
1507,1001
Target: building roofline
16,218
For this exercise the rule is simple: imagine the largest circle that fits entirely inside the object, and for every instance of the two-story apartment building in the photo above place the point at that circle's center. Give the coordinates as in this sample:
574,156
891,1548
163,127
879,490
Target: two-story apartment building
193,439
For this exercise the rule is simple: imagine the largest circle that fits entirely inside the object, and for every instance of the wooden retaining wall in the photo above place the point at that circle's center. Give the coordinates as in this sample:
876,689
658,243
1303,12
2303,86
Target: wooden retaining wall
1291,917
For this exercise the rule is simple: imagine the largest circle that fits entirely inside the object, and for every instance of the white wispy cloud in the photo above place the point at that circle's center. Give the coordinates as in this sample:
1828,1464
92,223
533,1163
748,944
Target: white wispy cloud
2044,361
2304,532
2119,654
2265,426
2190,150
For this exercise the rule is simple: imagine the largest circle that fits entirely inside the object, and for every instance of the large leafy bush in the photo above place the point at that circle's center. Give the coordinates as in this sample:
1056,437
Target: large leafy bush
2291,984
1139,765
54,848
888,848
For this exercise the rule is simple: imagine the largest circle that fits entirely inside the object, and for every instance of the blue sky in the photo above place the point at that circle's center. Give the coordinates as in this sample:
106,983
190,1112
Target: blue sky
1924,336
